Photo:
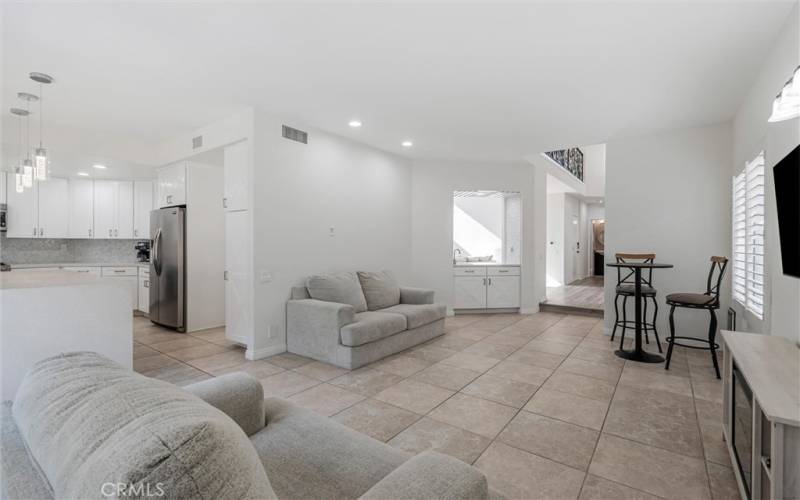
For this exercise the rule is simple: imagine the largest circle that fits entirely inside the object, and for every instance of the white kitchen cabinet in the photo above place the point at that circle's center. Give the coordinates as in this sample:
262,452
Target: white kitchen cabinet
235,196
126,276
81,208
469,292
92,270
142,206
144,293
172,185
502,292
21,216
238,299
113,209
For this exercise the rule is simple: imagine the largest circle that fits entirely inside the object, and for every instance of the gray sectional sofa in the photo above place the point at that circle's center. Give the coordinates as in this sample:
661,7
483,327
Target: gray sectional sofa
84,427
352,319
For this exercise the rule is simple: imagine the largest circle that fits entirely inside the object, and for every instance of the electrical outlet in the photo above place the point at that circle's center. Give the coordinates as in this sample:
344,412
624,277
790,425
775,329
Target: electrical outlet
265,276
331,231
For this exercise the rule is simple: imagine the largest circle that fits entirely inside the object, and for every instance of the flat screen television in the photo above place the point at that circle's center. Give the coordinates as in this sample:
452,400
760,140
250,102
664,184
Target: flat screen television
787,197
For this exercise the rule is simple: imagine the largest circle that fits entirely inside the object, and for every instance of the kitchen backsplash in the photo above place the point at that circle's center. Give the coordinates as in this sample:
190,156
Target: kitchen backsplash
45,250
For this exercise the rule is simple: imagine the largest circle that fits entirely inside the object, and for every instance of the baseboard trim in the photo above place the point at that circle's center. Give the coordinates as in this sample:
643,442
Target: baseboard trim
264,352
529,310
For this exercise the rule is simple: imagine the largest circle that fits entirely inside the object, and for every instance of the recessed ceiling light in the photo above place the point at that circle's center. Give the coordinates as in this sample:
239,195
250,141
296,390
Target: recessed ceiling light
355,123
99,166
83,174
407,144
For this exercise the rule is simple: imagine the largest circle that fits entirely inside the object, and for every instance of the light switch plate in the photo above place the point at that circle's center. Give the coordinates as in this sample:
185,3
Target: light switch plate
265,276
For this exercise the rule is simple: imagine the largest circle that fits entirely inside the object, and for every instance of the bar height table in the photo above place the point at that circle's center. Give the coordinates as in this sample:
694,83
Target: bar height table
639,354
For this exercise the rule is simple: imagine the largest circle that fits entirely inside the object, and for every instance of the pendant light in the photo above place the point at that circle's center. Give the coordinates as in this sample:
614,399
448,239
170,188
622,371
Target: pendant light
27,164
40,156
18,184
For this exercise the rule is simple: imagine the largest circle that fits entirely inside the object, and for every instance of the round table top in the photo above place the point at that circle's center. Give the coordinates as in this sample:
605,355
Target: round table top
640,265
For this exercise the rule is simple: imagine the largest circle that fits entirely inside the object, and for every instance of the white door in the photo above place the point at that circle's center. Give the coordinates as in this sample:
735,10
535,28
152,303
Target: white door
238,301
142,205
469,292
81,208
53,201
236,175
124,226
105,209
502,292
21,216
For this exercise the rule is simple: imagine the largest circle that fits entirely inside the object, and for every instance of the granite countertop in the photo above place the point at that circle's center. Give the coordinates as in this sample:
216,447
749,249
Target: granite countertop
47,279
483,264
80,264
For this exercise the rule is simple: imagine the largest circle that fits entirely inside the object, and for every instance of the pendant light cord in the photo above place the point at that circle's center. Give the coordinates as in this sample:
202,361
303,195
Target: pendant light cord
41,112
28,140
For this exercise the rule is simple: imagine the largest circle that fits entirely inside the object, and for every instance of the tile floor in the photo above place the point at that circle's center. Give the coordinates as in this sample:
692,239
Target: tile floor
584,293
538,402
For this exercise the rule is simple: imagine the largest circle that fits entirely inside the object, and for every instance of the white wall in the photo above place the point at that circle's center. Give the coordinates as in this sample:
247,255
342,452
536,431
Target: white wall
751,134
670,194
433,183
301,191
594,170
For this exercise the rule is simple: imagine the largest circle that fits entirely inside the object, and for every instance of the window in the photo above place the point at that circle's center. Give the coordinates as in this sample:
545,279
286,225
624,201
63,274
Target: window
748,236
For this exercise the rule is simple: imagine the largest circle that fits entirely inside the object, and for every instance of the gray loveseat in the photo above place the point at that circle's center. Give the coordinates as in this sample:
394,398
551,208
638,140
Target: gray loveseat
352,319
84,427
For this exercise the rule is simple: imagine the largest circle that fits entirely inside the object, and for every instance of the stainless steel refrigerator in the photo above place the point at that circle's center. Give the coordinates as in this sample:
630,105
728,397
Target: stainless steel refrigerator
168,267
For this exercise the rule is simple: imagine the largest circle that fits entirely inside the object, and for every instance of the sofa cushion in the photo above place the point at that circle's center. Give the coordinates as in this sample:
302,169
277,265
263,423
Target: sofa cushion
370,326
308,456
343,288
88,421
418,314
20,477
380,289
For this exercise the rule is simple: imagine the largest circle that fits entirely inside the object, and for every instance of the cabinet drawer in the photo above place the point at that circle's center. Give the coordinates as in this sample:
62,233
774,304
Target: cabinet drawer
469,271
144,272
87,270
120,271
503,271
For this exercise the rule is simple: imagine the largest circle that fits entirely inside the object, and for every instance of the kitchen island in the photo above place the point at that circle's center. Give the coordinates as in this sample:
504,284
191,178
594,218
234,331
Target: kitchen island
44,313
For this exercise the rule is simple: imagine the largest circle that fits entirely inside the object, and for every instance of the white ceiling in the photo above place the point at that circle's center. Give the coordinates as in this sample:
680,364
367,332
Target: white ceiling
477,81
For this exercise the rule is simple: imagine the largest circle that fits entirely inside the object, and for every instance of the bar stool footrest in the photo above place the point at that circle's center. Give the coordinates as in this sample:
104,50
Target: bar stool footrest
707,347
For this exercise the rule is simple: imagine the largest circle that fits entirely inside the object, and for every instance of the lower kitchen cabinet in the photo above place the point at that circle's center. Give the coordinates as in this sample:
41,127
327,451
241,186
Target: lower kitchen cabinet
144,290
127,276
486,287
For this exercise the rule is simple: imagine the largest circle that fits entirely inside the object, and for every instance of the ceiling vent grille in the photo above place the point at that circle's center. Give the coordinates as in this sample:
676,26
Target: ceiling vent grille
295,135
197,142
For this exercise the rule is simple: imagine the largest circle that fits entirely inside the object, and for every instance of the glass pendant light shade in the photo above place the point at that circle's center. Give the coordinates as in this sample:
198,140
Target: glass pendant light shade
40,162
18,181
27,173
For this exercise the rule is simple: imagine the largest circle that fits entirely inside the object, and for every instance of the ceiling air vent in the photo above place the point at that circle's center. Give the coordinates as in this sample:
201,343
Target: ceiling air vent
197,142
295,135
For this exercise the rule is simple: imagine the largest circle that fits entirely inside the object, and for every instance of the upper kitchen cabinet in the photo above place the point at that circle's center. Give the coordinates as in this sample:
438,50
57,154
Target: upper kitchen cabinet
81,208
172,185
113,209
142,205
39,211
235,195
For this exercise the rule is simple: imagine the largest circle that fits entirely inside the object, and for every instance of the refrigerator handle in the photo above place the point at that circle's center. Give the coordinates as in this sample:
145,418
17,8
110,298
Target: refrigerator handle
156,244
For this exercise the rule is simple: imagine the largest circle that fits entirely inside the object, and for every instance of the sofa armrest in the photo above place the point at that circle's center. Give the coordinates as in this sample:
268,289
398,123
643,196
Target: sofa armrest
313,327
238,395
431,475
321,312
410,295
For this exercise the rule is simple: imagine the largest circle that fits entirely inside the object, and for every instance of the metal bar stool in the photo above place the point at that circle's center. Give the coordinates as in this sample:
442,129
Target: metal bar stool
625,289
709,301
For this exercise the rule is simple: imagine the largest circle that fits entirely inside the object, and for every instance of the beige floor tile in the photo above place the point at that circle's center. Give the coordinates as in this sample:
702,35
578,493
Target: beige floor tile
666,431
217,363
707,390
453,341
431,353
446,376
521,372
428,434
178,344
714,446
634,376
200,351
153,362
326,399
549,347
320,371
377,419
536,358
597,488
609,372
403,365
708,410
288,361
565,443
506,340
366,381
723,482
215,336
286,383
411,395
154,335
569,408
659,472
471,361
180,374
258,369
142,351
491,349
473,414
654,401
517,474
559,338
580,385
501,390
